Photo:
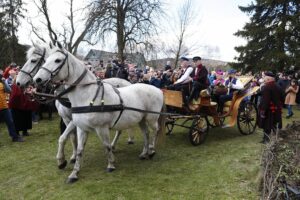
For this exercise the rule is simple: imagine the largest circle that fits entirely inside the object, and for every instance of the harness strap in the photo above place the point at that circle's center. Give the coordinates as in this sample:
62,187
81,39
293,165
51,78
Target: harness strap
118,107
65,102
105,108
69,89
121,103
100,84
109,108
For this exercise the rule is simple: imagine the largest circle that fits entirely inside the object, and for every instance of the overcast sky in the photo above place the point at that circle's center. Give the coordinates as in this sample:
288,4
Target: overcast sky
217,21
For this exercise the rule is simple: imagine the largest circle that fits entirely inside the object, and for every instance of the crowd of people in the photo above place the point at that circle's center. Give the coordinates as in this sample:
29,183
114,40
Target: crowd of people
16,107
277,90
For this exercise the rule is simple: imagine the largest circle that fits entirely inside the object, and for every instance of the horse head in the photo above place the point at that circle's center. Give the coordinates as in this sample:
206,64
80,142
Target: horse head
55,68
36,57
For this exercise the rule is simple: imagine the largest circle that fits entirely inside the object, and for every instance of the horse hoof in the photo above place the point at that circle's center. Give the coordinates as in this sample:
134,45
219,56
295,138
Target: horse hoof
110,170
62,165
152,155
73,161
130,142
72,180
143,157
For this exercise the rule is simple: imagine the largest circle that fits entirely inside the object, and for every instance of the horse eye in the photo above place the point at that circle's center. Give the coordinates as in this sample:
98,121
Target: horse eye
33,61
57,61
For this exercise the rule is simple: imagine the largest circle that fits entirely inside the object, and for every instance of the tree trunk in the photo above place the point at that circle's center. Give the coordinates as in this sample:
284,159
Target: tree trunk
12,41
120,32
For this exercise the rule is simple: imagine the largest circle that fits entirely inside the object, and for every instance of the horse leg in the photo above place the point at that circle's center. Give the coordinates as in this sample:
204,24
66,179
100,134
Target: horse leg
81,138
73,138
144,128
130,138
115,140
154,128
103,133
61,146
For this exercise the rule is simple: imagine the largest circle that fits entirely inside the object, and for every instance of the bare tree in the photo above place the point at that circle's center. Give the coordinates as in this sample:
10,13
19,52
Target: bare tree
186,16
70,36
131,20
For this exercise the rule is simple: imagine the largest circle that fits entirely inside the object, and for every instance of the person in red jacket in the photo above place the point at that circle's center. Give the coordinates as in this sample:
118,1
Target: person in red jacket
21,107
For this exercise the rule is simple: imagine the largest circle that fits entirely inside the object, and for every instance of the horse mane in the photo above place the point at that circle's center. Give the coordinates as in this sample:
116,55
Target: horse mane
37,48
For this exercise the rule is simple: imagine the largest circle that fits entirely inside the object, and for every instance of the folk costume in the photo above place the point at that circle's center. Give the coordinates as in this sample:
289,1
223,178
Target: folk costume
200,80
270,107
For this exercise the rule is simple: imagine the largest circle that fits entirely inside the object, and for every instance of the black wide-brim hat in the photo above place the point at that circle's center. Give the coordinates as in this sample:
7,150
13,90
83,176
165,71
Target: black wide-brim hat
196,58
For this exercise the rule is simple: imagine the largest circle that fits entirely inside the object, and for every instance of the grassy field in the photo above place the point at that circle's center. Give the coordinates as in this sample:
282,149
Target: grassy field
226,166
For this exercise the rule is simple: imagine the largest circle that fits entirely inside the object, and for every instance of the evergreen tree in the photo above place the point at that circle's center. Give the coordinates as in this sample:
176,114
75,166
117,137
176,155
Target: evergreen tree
10,14
272,36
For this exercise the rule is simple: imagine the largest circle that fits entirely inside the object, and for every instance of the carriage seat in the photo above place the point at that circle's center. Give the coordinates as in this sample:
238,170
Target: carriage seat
227,104
203,100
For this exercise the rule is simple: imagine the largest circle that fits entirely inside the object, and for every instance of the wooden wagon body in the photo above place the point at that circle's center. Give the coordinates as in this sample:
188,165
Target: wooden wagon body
238,111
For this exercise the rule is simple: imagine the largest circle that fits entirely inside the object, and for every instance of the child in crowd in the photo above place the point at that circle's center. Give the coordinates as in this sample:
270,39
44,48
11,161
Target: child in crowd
290,98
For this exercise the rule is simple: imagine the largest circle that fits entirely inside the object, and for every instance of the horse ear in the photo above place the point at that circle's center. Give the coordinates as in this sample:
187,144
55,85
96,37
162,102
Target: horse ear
59,45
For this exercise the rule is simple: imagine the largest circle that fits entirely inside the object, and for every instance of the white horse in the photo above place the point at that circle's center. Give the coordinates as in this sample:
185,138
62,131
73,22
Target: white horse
90,95
36,56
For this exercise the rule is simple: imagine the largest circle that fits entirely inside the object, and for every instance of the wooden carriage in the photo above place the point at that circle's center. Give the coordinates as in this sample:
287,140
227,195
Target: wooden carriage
239,111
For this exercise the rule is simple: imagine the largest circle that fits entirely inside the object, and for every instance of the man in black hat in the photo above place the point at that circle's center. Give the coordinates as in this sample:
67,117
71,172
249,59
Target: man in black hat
200,81
272,99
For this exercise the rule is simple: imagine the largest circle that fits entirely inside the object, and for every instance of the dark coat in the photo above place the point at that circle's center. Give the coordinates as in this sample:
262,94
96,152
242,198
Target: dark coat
201,76
270,107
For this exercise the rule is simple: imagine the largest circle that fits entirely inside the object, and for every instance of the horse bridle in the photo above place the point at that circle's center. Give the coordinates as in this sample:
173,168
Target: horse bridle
56,71
41,60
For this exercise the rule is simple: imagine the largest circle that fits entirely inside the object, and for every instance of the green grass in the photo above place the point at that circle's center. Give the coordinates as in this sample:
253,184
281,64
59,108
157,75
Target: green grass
226,166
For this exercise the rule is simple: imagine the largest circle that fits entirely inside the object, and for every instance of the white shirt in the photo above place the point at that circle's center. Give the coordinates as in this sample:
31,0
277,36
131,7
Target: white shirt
238,85
186,76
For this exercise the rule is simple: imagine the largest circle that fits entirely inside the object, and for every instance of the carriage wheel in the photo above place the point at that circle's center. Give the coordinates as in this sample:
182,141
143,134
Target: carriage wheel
247,118
170,125
198,131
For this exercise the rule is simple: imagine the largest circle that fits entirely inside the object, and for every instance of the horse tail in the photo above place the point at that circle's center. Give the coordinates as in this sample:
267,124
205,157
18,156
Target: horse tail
161,133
